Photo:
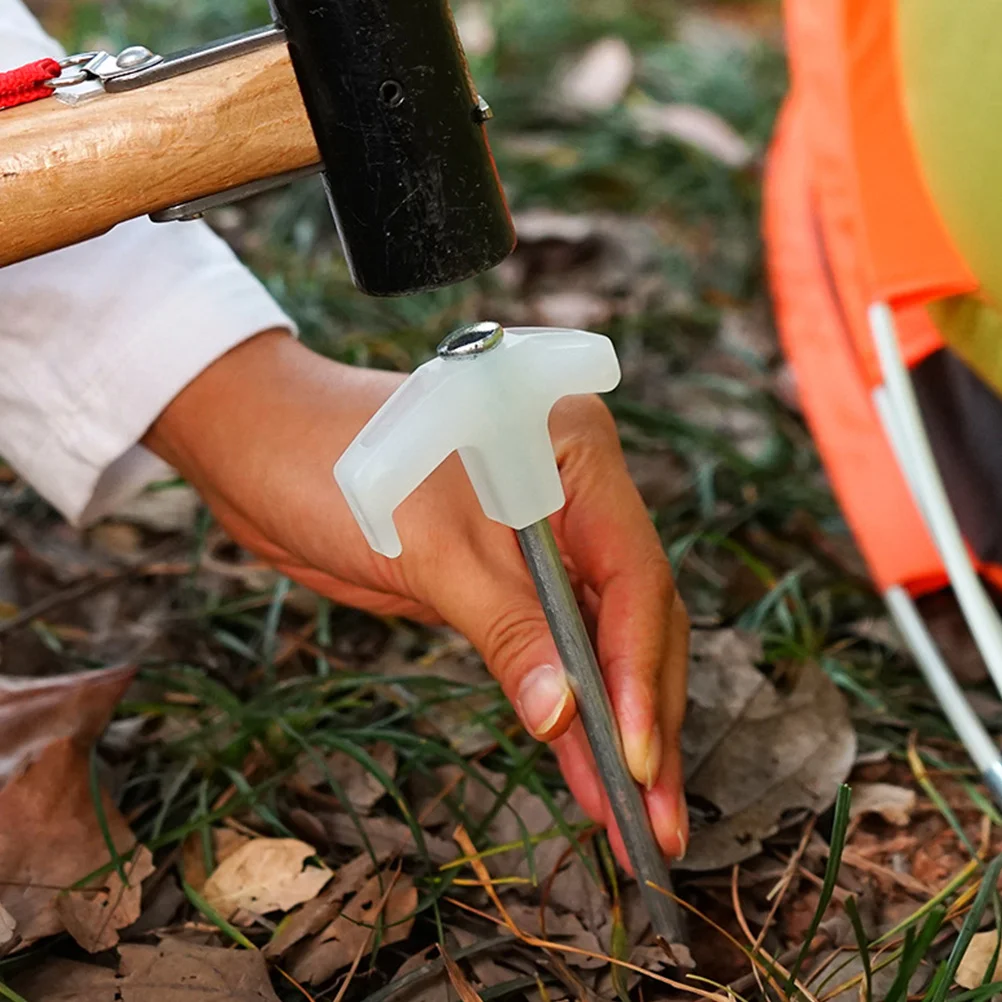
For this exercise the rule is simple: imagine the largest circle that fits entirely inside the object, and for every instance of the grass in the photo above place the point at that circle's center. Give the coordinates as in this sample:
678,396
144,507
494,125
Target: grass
257,684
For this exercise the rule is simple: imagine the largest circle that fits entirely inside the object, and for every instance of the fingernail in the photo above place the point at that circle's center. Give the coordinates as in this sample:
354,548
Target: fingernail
683,844
655,753
542,698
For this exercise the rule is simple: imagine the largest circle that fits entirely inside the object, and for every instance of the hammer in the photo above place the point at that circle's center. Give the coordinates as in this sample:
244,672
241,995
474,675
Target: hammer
375,94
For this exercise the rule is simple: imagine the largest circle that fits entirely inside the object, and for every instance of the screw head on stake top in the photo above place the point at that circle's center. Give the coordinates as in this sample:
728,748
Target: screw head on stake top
468,342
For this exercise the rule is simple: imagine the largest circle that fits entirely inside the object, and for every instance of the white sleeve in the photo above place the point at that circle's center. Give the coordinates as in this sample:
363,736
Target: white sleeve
97,339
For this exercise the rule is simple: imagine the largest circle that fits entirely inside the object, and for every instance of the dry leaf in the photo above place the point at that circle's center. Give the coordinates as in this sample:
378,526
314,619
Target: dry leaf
974,965
35,712
573,888
322,910
265,875
434,988
576,308
171,510
756,759
225,842
475,29
117,539
600,78
352,931
386,836
893,803
466,991
362,788
162,898
456,720
49,834
8,927
93,917
565,929
173,971
697,127
487,972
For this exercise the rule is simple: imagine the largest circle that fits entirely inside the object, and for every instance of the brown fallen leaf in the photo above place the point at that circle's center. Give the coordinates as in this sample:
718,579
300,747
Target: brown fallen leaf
352,932
49,833
162,899
700,128
225,842
475,28
171,510
487,972
117,539
458,720
756,758
466,991
8,928
385,835
894,804
35,712
173,971
565,929
362,788
265,875
974,965
93,917
321,911
599,80
433,988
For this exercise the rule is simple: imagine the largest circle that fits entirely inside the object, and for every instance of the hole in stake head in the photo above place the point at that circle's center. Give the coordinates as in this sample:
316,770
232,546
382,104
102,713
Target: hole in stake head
392,93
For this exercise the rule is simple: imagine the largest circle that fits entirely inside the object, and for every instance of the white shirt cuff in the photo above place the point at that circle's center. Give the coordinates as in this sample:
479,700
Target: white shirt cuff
96,340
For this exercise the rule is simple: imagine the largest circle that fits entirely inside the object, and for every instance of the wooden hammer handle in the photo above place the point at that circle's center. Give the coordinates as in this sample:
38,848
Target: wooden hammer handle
71,173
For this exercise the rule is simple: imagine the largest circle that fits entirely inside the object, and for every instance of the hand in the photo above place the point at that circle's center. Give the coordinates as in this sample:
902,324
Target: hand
258,434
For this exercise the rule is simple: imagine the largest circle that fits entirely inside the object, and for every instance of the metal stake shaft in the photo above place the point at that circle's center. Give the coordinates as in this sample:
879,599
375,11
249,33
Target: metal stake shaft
579,660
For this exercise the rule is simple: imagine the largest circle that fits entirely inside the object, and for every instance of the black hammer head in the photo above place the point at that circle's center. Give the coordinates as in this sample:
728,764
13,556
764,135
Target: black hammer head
407,166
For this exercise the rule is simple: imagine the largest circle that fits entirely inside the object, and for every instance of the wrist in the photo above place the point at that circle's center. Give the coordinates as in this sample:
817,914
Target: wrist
268,411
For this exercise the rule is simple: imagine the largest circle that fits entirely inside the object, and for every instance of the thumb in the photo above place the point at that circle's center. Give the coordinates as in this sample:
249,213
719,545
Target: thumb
509,629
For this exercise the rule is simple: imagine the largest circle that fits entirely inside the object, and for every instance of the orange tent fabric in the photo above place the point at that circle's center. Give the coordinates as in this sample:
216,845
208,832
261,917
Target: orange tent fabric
911,256
834,393
848,222
885,240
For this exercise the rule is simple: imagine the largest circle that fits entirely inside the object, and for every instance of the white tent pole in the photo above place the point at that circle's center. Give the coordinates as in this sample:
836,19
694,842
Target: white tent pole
963,719
901,414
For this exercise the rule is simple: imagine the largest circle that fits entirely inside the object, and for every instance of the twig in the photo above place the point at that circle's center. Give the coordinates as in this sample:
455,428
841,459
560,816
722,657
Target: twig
77,591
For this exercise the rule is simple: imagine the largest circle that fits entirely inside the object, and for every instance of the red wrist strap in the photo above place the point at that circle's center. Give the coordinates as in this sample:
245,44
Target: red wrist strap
27,83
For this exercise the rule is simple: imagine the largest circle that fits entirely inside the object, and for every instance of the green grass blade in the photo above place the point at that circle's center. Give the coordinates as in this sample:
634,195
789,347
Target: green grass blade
323,636
8,993
940,983
988,887
933,903
864,950
215,918
102,818
979,994
171,793
916,947
269,633
839,827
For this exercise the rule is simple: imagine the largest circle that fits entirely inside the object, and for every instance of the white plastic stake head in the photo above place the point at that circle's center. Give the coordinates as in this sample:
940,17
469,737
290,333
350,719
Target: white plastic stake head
488,396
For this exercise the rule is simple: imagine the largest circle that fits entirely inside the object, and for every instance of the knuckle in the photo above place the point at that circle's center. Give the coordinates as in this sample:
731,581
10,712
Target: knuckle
509,636
585,421
657,573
